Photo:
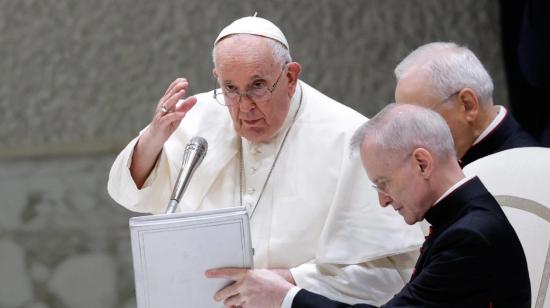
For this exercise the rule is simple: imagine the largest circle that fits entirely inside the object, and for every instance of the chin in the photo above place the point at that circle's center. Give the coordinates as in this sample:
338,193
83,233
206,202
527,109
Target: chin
256,135
409,220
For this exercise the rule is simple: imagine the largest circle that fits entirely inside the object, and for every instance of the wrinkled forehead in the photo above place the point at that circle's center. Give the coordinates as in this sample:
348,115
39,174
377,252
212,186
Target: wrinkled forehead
415,90
376,159
245,54
372,154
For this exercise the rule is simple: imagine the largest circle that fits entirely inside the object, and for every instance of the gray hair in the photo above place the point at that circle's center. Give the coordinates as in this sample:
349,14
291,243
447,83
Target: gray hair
451,68
280,53
401,128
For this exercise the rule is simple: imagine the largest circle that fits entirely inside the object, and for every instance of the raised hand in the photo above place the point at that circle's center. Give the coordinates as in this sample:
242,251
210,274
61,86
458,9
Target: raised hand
169,113
170,110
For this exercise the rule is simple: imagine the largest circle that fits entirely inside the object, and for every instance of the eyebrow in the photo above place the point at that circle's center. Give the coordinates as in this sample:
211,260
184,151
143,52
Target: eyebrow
378,179
252,79
257,77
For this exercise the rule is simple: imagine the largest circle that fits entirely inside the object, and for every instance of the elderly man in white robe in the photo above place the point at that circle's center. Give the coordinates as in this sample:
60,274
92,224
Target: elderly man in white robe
278,147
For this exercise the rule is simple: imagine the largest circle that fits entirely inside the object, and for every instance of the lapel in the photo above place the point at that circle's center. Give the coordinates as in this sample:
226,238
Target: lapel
494,141
222,148
222,151
442,215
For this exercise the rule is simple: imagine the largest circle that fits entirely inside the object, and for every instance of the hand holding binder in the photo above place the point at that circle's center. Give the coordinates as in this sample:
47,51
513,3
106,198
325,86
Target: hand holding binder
171,252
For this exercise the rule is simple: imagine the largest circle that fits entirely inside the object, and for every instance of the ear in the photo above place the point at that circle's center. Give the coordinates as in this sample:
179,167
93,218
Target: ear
424,160
293,74
470,103
215,72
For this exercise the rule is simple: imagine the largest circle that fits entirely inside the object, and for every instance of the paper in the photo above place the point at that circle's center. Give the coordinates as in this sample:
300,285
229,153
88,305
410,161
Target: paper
171,252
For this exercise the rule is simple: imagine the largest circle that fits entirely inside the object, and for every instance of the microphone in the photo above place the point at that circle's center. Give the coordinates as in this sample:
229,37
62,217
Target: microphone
195,151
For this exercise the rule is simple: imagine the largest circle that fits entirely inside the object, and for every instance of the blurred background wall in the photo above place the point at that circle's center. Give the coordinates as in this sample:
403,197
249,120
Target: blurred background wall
79,79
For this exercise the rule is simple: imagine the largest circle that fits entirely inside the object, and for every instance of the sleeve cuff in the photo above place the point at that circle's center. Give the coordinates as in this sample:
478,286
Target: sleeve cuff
289,297
152,175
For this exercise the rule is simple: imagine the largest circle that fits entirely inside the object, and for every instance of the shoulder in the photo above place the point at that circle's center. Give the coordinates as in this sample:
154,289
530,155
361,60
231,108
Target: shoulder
518,137
324,116
320,106
206,112
482,227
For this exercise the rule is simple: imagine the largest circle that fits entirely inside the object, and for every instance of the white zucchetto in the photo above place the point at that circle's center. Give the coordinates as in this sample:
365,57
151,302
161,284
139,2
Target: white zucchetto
255,26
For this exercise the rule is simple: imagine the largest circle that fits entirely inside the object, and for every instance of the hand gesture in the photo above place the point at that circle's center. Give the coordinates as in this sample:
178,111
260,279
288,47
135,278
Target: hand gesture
170,110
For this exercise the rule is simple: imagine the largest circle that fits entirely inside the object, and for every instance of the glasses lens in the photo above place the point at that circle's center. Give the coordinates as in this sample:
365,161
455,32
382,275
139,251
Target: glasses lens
261,94
225,99
229,98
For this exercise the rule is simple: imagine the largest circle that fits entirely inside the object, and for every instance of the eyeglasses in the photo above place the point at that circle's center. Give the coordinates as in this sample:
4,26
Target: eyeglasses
445,99
450,96
258,92
382,186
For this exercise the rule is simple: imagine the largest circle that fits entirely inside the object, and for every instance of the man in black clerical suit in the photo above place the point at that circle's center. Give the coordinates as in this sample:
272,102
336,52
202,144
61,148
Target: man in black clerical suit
472,257
451,80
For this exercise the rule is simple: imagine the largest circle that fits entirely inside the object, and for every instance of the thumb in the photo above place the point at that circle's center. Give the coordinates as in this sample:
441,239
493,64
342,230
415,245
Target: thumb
229,273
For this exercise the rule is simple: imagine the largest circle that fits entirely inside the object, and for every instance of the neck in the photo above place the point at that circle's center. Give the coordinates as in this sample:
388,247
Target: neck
486,116
450,175
483,120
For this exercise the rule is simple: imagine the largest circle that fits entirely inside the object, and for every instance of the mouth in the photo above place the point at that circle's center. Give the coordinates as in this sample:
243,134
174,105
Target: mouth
251,122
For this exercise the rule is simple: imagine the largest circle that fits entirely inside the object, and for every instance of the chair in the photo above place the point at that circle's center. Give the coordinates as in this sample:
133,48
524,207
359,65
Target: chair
520,181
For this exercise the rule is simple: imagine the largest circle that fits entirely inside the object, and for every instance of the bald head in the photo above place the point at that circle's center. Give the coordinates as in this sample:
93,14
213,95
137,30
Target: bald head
450,80
447,68
398,128
409,156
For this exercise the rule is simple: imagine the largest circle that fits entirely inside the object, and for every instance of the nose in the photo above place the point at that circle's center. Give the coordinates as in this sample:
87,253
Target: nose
384,199
246,104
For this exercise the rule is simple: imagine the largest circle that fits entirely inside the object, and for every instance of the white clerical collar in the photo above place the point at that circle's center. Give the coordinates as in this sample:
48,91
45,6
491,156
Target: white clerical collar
496,121
292,109
452,188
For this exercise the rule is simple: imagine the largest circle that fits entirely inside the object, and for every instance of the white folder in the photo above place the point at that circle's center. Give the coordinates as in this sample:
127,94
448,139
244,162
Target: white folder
171,252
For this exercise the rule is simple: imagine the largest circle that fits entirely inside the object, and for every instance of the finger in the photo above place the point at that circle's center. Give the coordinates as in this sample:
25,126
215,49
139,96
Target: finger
172,118
170,102
228,272
233,301
173,84
177,88
230,290
184,105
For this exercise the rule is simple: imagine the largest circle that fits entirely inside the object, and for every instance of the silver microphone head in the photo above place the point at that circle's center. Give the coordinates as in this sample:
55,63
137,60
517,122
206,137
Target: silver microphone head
197,144
194,153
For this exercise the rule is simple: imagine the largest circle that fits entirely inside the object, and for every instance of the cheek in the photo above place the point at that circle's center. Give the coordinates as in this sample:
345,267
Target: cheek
452,120
276,112
264,111
410,195
276,117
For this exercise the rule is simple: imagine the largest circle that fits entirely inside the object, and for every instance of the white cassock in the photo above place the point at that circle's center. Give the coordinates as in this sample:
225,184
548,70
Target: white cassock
317,215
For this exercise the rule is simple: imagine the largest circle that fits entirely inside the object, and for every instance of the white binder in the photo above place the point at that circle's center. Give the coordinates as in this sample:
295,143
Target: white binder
171,252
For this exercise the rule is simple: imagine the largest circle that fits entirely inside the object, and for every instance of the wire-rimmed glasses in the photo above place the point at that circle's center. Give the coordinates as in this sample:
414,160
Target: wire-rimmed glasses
258,92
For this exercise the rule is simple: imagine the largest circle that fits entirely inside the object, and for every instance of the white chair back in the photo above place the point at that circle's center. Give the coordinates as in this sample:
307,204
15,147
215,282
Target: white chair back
520,181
